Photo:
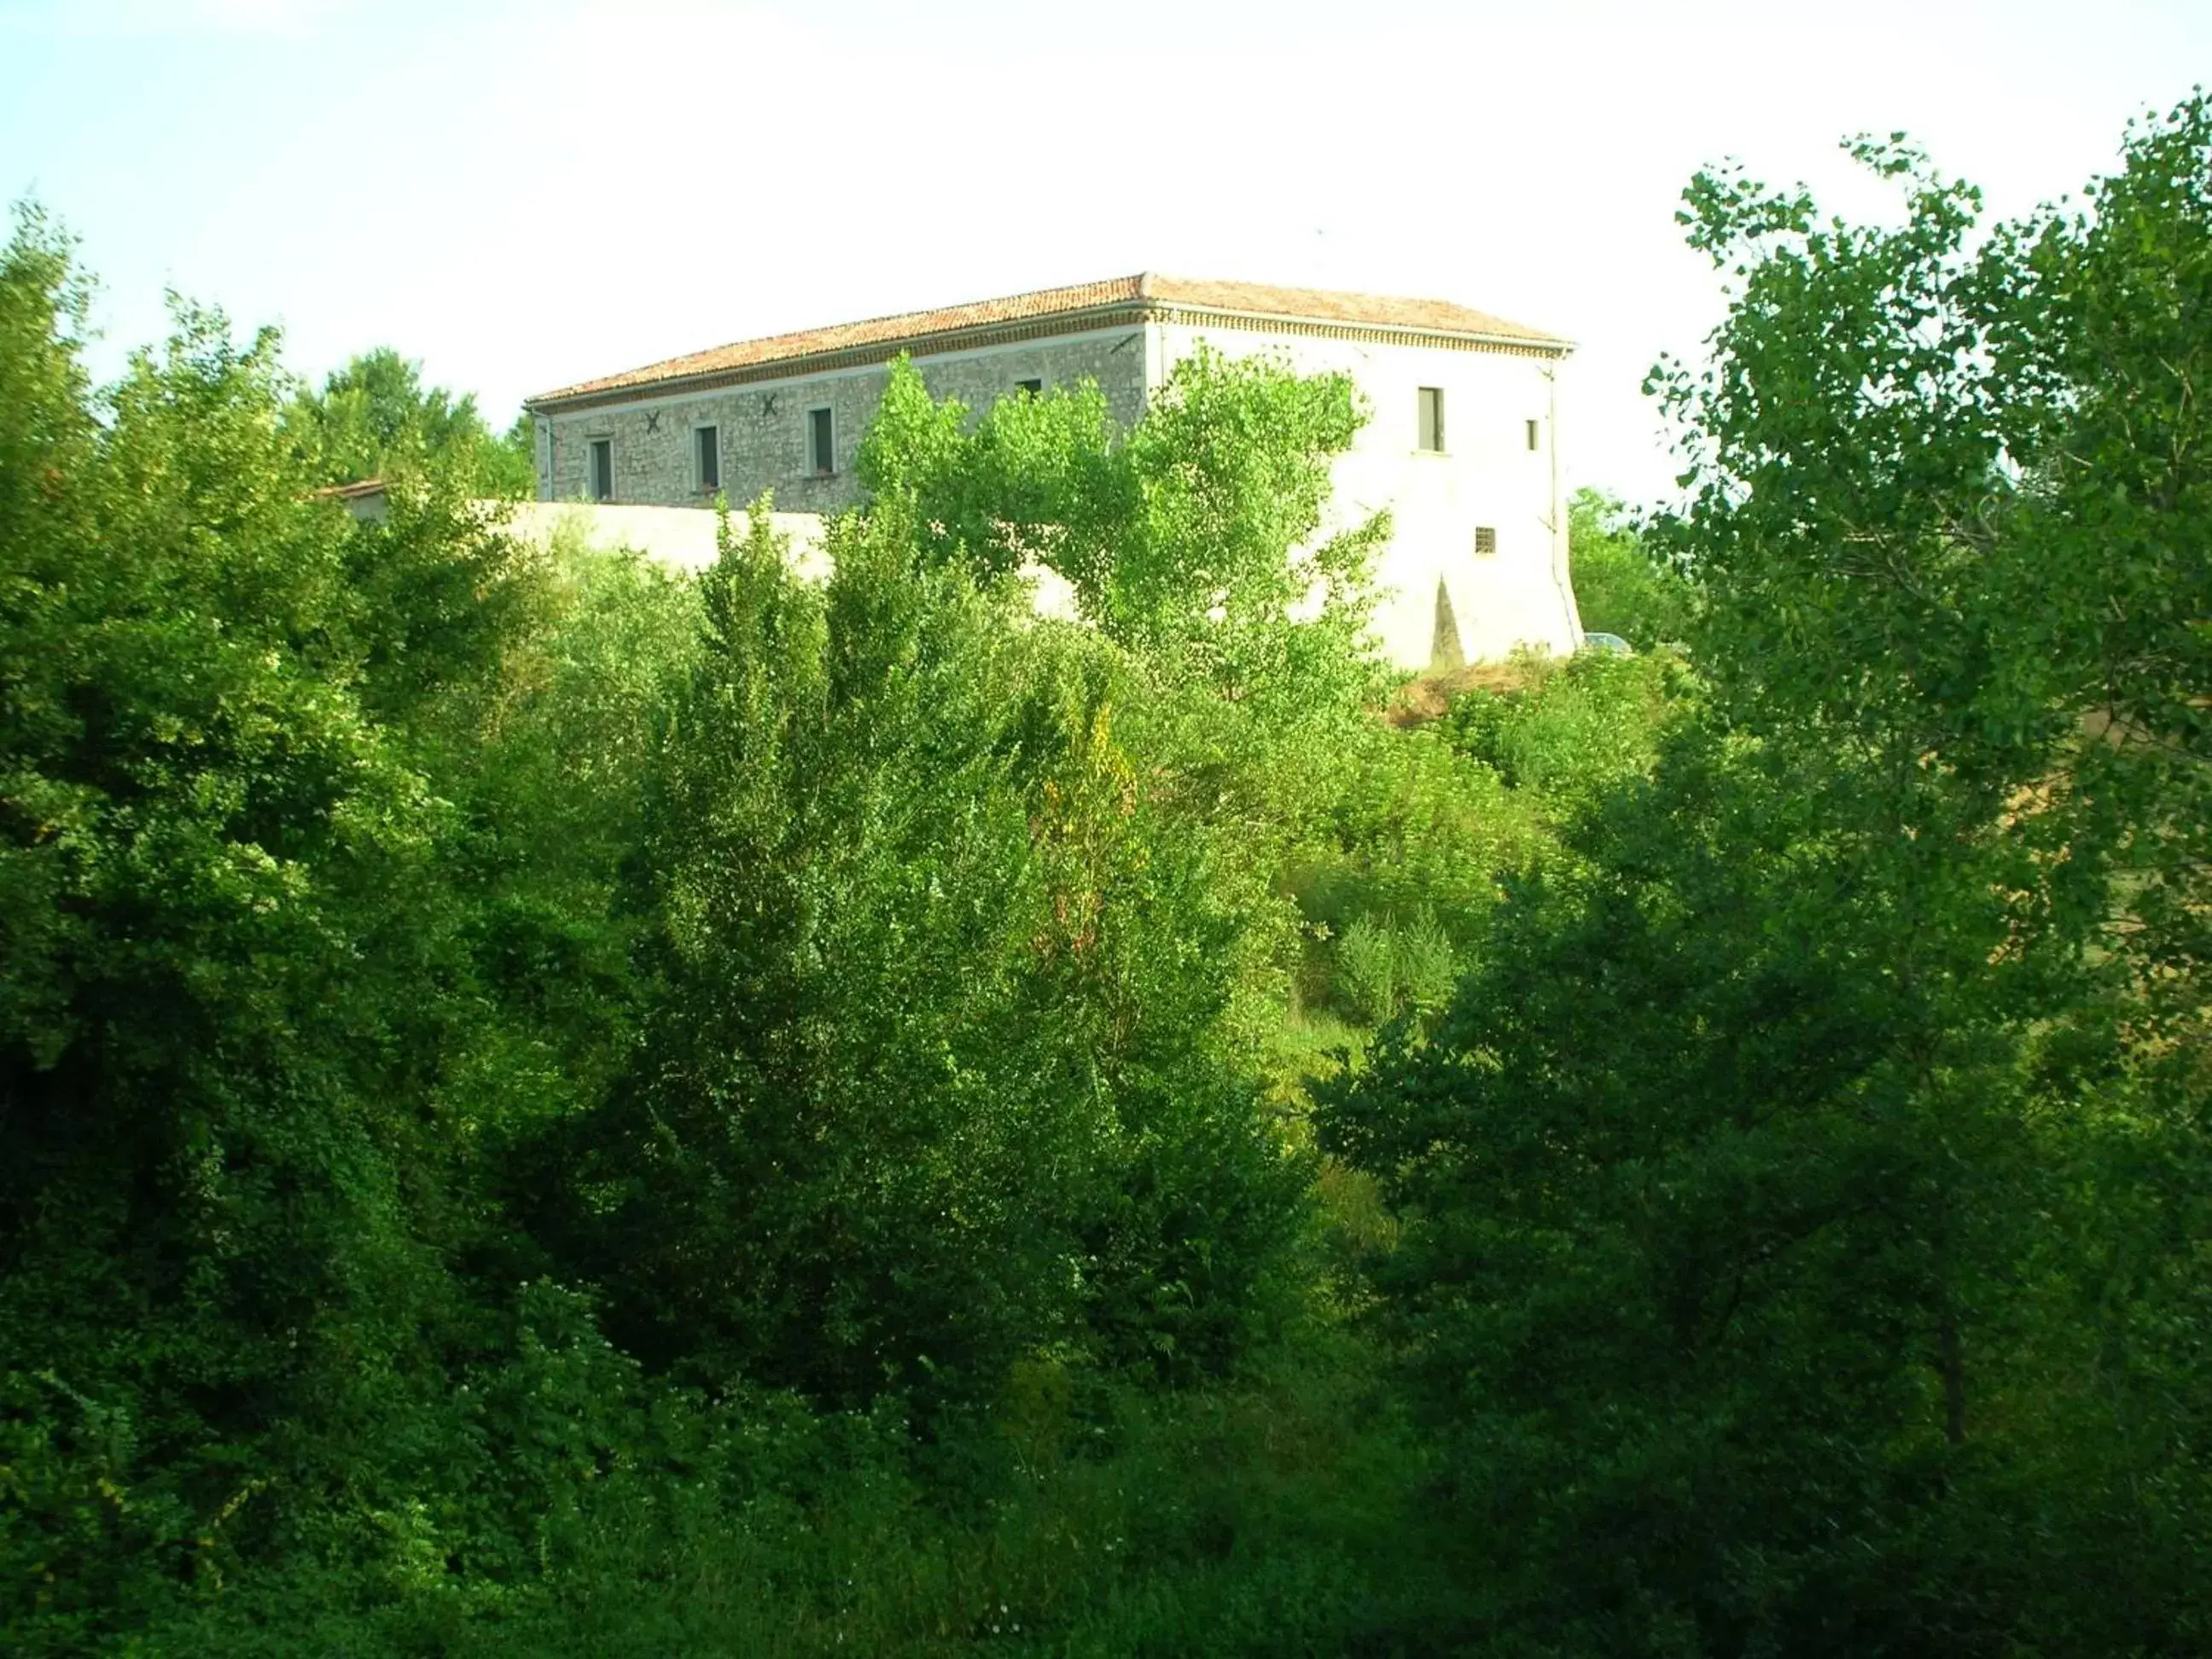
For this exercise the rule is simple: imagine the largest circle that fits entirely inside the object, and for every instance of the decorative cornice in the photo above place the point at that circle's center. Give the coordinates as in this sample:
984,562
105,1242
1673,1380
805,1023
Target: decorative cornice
1099,317
1373,333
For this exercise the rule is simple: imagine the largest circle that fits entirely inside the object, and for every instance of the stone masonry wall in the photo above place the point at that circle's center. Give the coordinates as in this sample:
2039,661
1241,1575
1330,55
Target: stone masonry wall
762,427
1476,564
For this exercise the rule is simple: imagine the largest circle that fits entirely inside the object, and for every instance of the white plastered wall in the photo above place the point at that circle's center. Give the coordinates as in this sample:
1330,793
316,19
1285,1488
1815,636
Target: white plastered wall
1487,474
688,539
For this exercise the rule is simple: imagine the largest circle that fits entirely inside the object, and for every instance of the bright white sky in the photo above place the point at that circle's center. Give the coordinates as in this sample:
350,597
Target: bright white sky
525,195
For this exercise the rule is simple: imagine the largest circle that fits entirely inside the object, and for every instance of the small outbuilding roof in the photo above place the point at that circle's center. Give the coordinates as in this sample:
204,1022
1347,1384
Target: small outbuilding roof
1067,310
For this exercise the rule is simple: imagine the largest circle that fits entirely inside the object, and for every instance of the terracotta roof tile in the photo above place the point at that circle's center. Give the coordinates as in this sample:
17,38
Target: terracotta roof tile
1324,305
1146,289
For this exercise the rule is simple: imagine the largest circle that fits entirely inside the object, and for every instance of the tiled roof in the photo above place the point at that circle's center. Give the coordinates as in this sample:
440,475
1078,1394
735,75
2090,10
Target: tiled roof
1322,305
1148,291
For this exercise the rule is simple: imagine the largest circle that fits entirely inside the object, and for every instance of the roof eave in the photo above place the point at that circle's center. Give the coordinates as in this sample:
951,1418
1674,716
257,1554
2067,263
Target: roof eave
1141,308
1544,342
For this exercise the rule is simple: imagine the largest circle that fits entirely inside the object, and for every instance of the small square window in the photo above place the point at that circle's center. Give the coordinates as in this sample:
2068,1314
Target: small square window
1535,436
821,442
1486,538
1035,388
707,452
1431,418
603,468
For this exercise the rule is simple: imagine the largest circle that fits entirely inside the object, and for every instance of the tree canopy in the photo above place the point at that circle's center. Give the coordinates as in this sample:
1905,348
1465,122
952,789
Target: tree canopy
375,416
1794,1195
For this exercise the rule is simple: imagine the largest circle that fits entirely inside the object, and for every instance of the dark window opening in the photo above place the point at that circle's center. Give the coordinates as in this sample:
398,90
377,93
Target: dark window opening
1486,538
1035,388
603,468
709,440
1432,419
820,454
1535,437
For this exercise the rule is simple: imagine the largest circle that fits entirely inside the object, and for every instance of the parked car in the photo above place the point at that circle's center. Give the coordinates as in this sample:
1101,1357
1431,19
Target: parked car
1611,644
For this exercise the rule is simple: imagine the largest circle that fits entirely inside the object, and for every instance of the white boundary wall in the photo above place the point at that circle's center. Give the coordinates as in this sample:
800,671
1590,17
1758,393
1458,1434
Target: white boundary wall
681,536
686,537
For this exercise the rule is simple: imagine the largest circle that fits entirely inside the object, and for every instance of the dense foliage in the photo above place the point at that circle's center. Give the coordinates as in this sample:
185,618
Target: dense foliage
548,1106
1620,588
935,1071
1803,1200
375,418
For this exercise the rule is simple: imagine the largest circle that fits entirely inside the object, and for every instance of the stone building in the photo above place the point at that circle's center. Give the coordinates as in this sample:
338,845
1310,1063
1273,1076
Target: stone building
1462,446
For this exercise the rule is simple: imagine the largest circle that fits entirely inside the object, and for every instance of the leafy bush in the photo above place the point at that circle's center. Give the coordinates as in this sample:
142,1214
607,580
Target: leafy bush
1387,968
1576,729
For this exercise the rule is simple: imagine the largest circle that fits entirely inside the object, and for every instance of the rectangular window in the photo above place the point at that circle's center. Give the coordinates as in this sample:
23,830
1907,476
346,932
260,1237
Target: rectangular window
1486,538
1432,419
708,439
1035,388
821,455
603,468
1535,439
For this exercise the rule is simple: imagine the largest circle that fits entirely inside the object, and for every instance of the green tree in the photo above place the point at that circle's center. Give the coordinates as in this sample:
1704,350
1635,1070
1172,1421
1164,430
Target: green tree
221,1292
1197,538
1790,1195
1706,1180
1620,588
932,1071
1199,544
374,417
